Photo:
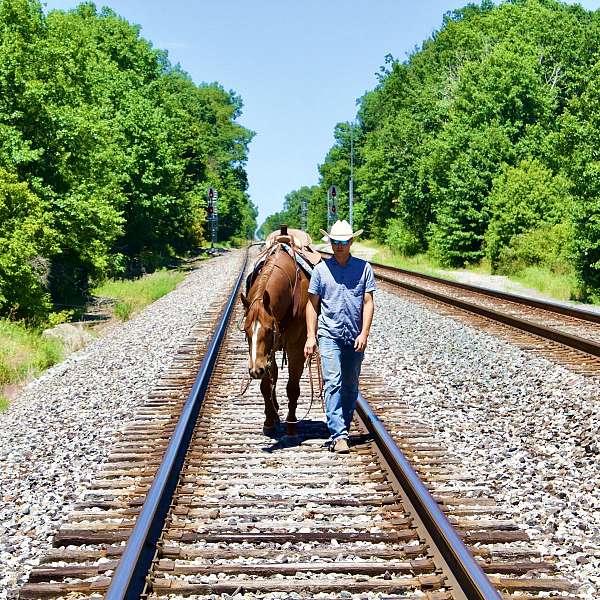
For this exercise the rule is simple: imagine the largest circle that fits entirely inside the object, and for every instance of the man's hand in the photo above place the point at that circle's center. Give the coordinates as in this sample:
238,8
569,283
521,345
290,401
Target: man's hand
310,347
360,343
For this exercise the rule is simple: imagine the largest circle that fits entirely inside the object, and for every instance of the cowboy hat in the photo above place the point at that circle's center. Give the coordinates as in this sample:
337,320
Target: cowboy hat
341,231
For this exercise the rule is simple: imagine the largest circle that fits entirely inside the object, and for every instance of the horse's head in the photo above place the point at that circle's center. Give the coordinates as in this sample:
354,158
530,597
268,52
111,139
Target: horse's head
261,332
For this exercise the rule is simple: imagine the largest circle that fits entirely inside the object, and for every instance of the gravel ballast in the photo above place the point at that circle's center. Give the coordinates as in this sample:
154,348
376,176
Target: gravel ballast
526,427
60,429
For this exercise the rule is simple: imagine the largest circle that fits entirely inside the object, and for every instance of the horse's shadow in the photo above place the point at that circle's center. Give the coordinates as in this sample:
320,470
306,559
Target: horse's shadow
307,430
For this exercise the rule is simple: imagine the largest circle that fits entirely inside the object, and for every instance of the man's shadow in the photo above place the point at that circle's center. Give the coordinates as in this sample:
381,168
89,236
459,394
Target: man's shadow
308,430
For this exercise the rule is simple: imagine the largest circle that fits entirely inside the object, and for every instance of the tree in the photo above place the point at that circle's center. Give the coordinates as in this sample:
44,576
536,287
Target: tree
25,237
118,146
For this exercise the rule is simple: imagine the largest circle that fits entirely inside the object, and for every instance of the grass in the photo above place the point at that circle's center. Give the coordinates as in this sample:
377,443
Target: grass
24,353
561,286
133,295
420,263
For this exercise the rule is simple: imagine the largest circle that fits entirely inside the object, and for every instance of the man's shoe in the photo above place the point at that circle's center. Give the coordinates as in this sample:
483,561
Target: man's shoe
340,446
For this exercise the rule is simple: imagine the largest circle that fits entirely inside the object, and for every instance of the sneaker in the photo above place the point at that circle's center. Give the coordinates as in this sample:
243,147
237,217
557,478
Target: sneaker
340,446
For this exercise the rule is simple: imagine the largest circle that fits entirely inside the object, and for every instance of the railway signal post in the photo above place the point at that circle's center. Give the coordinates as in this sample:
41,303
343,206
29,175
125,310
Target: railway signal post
212,195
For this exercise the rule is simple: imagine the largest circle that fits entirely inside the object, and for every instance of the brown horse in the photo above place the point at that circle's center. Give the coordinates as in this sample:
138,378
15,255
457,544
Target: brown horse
275,320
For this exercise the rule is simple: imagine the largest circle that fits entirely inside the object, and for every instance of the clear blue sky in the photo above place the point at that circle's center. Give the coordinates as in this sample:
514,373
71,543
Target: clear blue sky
299,66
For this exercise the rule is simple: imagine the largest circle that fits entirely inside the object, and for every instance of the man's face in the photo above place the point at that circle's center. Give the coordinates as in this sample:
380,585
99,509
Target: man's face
341,249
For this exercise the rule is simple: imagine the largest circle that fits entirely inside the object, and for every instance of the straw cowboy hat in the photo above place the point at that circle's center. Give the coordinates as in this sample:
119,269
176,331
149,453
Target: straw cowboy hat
341,231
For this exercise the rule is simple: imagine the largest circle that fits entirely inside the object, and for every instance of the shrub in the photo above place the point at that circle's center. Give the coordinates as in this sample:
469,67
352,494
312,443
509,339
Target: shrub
401,239
526,198
548,247
25,237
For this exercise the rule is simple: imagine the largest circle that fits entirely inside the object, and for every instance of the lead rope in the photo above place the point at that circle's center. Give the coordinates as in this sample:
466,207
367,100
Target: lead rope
308,365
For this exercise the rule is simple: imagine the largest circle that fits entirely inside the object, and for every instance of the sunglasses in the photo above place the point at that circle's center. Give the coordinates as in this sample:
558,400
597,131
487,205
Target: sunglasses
340,242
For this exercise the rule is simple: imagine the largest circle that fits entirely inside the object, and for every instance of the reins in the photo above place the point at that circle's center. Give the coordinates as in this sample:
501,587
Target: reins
308,364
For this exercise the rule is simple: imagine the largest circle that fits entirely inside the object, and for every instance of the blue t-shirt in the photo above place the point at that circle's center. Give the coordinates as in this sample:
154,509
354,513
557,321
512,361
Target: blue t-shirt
341,291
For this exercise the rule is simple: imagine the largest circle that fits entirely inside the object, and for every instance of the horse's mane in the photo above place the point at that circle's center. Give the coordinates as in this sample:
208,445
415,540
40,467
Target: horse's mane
263,277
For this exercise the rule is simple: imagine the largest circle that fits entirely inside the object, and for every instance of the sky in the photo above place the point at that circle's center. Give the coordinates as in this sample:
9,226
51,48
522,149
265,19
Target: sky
299,66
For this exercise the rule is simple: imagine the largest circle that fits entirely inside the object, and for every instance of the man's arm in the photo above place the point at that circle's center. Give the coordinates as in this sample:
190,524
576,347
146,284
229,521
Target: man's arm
312,311
368,309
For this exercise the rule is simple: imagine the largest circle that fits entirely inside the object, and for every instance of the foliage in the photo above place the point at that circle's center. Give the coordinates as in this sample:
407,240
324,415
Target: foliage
526,198
487,131
579,147
118,147
25,236
401,239
547,246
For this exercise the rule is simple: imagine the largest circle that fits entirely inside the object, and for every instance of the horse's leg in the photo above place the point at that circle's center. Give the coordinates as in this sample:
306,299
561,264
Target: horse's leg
295,368
267,388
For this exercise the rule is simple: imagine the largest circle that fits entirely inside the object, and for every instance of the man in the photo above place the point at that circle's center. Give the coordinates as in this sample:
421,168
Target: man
341,307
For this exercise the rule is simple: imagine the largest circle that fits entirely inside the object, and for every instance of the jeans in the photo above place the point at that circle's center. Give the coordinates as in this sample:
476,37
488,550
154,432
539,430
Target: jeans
341,365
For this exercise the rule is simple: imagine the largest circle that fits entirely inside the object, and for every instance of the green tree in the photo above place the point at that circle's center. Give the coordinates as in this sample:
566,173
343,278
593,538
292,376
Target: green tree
25,238
578,146
118,145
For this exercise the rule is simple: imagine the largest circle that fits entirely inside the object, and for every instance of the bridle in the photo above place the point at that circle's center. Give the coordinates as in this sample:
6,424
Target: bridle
276,333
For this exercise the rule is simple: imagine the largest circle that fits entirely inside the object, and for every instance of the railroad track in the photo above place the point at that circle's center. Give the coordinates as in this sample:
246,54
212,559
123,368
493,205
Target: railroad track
256,516
563,333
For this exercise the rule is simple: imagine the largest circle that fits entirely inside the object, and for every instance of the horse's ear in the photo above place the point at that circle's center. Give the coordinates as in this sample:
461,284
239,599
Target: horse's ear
266,300
245,301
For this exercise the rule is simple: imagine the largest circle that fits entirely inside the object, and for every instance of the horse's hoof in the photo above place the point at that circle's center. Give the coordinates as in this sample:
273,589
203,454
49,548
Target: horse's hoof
270,430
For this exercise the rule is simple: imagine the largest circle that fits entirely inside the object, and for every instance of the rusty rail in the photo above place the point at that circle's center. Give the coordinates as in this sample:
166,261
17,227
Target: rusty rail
572,341
554,307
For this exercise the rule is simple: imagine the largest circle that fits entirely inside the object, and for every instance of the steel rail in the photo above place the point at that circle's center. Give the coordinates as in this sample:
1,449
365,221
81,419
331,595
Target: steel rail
567,339
548,305
470,576
129,579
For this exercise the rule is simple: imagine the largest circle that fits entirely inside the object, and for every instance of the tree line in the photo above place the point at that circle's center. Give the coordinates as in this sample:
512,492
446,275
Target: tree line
483,144
106,154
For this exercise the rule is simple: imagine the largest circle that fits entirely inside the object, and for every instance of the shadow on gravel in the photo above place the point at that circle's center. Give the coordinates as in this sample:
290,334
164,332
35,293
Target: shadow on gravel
359,439
307,430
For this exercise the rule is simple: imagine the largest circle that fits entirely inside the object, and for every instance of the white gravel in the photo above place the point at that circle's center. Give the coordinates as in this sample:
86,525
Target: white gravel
59,430
527,427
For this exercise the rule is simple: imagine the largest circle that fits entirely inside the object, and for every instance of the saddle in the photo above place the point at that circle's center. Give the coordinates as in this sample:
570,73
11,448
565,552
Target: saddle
297,244
299,241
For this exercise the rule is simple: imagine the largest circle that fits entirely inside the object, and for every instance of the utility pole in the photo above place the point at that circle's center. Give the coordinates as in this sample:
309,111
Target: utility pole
351,184
332,193
304,214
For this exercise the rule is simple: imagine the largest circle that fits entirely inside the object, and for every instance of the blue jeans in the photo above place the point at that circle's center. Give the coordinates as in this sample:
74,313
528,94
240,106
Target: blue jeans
341,365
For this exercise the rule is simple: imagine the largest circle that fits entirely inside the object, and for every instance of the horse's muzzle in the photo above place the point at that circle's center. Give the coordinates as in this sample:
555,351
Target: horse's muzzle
257,373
